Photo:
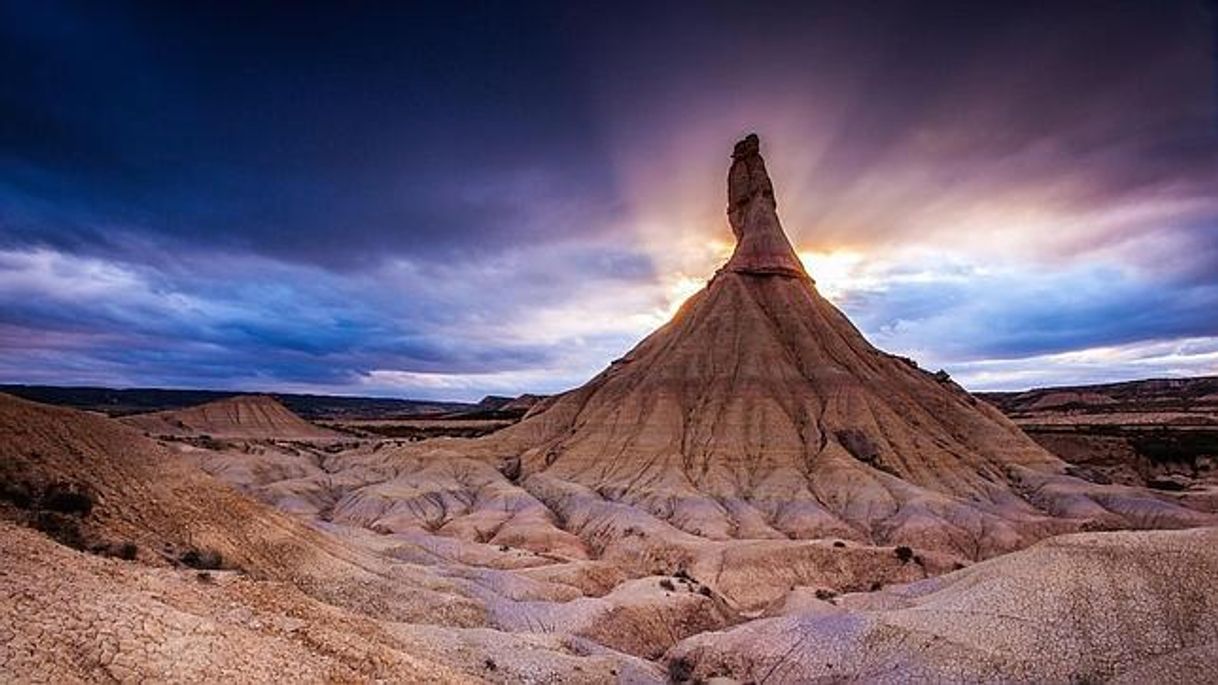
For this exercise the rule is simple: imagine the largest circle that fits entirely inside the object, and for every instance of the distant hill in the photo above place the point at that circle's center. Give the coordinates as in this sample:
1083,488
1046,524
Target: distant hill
1160,432
243,416
500,407
492,402
1153,394
122,402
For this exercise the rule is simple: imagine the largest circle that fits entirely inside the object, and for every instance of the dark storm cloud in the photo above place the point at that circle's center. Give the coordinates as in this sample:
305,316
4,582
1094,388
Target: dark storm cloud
327,136
261,195
1066,104
274,324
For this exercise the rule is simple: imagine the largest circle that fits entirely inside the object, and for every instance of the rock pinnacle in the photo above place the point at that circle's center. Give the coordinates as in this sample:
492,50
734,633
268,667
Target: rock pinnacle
761,245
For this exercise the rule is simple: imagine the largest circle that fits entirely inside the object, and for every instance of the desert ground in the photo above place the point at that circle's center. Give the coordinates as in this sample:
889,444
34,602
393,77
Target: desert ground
752,494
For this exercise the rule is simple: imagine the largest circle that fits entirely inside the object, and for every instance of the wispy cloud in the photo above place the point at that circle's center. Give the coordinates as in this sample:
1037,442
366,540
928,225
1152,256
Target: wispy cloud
1185,357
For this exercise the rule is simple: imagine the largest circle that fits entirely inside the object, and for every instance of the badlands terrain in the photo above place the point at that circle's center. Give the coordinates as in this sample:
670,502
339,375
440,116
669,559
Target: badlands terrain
1160,433
754,493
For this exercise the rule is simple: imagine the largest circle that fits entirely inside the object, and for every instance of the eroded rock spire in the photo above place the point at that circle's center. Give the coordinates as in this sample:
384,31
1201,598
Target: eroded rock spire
761,245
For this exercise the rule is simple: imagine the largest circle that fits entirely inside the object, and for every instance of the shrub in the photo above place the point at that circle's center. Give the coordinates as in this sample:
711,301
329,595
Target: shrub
704,591
904,554
208,442
667,585
63,529
61,498
127,551
205,559
680,670
491,665
20,494
825,595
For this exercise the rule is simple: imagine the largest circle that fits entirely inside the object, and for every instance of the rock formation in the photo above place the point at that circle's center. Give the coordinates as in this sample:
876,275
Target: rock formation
756,442
241,416
761,245
760,413
1157,433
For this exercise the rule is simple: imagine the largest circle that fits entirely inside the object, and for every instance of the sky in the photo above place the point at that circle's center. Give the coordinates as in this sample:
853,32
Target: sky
446,200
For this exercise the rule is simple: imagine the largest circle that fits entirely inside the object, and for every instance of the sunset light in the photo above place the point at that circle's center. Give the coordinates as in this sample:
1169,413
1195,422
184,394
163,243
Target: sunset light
835,271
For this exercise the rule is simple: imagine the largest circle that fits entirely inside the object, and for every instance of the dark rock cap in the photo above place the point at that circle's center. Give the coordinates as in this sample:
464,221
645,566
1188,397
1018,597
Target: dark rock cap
761,245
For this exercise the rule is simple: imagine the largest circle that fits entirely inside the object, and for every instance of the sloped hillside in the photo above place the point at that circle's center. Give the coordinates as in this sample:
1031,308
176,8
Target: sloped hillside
1113,607
243,416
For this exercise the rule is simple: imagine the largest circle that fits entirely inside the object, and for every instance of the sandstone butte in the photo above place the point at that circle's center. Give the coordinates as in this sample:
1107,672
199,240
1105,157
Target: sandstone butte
754,492
759,413
242,416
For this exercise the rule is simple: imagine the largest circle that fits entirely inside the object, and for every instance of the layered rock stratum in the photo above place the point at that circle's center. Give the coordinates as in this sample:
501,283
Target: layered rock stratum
1161,433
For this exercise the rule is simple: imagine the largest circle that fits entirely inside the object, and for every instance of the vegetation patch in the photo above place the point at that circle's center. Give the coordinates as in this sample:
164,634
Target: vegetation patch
64,499
1167,446
210,560
126,551
680,670
56,509
61,528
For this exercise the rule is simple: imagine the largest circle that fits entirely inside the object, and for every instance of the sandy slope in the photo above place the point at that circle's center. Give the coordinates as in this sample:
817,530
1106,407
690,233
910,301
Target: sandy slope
242,416
1079,608
284,573
70,616
151,497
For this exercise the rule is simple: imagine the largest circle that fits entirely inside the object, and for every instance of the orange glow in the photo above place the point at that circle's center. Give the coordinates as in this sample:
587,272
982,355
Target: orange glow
835,271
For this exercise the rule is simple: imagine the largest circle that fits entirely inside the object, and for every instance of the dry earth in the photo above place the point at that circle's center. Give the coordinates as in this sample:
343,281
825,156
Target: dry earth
1135,607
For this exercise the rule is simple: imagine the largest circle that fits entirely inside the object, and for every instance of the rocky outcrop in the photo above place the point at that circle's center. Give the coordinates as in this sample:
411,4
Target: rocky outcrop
761,245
